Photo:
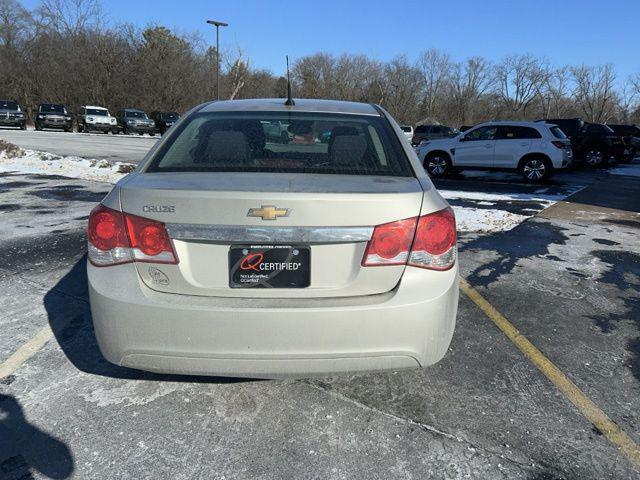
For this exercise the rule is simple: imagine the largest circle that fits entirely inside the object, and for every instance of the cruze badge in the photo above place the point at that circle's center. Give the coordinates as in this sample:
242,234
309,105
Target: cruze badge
158,208
268,212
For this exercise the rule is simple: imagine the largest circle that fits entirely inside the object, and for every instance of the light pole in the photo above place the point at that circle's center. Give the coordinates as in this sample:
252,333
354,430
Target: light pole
218,25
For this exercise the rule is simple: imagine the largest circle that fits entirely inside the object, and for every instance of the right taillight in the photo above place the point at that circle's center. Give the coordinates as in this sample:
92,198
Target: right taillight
116,238
434,246
558,144
426,242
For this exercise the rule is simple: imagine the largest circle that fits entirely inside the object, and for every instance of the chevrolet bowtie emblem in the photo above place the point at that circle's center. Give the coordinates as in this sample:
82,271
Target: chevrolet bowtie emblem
268,212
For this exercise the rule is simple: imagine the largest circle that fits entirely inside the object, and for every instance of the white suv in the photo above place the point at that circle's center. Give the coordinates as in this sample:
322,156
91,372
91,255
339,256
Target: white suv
535,150
97,119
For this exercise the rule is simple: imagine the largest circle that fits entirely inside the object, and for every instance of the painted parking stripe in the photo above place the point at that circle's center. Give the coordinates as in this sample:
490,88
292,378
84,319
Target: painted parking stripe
25,352
583,403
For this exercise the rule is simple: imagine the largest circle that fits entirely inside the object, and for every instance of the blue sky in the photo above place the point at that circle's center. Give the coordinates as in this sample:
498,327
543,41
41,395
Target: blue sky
565,32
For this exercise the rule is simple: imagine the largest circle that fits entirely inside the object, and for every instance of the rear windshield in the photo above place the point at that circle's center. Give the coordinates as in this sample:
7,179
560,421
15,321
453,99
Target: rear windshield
406,129
557,132
283,142
169,116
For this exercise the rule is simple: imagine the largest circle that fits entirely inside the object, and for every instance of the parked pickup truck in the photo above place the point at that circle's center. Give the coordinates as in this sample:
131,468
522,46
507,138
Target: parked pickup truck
593,144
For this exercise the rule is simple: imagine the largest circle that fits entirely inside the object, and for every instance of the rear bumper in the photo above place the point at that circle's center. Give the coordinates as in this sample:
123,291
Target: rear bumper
140,328
53,124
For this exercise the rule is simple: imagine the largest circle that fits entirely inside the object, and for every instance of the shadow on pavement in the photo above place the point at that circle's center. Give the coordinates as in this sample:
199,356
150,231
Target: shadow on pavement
25,448
67,305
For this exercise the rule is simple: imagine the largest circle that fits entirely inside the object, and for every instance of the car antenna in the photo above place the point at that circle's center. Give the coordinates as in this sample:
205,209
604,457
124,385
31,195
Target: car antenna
289,102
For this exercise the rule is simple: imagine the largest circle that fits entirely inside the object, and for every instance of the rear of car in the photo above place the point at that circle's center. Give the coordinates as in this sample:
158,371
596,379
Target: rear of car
11,115
630,136
408,131
53,115
230,252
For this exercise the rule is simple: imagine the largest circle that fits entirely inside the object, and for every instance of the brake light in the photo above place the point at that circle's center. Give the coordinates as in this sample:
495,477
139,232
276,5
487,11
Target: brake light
390,243
559,144
116,238
425,242
434,246
149,240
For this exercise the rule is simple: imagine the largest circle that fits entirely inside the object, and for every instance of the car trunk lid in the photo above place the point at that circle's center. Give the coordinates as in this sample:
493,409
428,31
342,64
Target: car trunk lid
331,215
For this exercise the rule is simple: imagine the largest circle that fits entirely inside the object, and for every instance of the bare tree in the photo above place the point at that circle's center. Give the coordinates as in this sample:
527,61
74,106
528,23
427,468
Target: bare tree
469,81
70,16
594,92
435,68
519,78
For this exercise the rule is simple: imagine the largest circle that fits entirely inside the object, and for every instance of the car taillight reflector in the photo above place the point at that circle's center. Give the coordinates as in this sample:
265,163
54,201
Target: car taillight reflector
426,242
116,238
559,144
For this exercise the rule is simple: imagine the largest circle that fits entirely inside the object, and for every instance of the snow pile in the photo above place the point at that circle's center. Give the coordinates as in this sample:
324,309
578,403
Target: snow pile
630,170
14,159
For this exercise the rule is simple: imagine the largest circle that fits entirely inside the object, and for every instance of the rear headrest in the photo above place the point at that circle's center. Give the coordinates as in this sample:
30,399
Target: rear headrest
227,147
347,150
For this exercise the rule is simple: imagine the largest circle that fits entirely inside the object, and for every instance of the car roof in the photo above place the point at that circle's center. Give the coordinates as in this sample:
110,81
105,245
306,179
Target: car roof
514,124
93,106
132,110
301,105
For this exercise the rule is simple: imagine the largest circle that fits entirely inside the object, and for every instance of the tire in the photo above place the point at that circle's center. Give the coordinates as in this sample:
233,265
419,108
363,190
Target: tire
37,127
140,133
23,126
125,131
535,169
153,134
595,157
68,129
437,164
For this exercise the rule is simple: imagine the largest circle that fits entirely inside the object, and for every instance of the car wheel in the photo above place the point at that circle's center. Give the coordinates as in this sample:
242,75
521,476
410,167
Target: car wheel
437,164
140,133
153,134
535,169
37,127
594,157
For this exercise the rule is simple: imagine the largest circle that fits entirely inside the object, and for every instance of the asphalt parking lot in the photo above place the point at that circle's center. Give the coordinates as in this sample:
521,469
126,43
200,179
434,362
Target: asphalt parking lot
568,278
115,148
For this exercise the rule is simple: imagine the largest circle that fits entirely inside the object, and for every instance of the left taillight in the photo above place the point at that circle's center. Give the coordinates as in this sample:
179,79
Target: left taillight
116,238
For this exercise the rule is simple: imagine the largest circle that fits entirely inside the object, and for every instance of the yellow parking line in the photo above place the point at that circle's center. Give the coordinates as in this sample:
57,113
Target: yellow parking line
25,352
583,403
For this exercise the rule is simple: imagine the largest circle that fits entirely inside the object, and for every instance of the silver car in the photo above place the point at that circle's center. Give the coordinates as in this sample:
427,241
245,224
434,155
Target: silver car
232,253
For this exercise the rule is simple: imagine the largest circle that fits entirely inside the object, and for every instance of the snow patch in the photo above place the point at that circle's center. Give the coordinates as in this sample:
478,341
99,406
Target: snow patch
630,170
44,163
486,220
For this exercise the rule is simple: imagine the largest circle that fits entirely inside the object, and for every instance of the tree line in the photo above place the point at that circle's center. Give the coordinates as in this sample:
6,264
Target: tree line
66,51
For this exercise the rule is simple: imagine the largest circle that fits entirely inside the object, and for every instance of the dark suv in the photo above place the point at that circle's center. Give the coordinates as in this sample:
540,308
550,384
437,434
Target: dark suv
164,120
52,115
432,132
11,115
630,136
593,144
131,120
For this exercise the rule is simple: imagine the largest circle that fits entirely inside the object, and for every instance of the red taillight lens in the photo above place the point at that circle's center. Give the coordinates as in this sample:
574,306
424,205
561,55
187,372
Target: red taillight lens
390,243
435,244
559,144
149,240
426,242
115,238
106,228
